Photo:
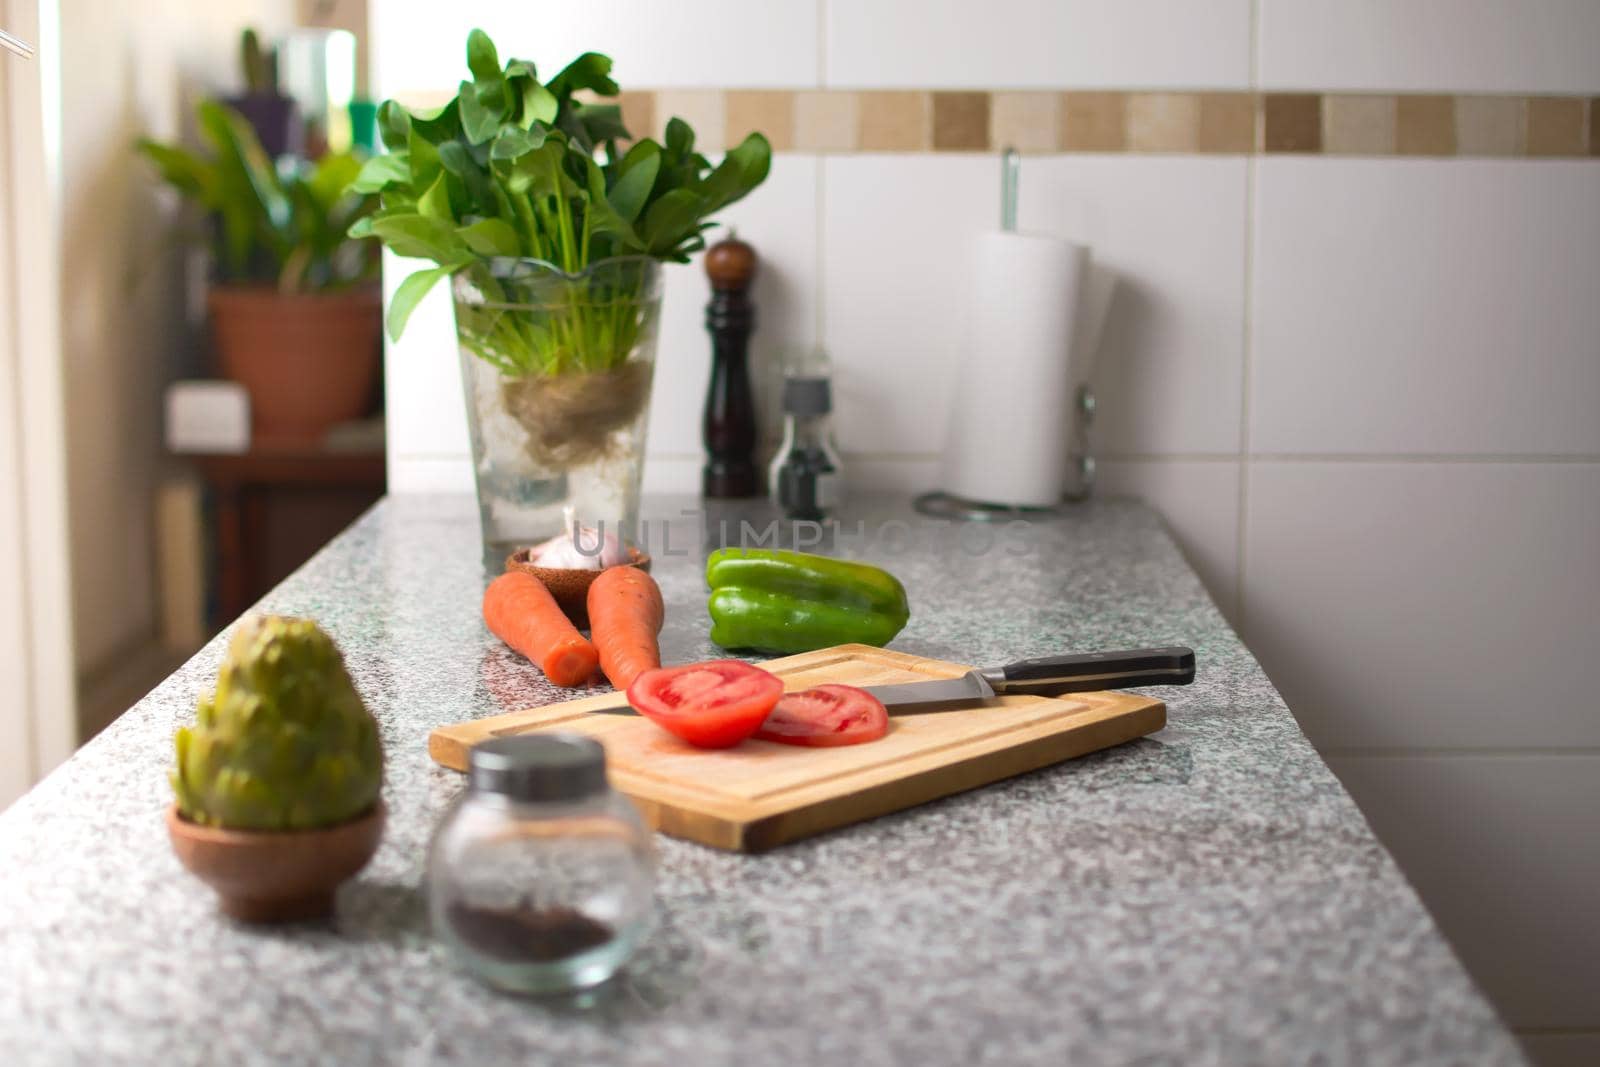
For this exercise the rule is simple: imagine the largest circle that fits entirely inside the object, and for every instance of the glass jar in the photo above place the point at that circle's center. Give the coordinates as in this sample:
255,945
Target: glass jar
540,878
557,371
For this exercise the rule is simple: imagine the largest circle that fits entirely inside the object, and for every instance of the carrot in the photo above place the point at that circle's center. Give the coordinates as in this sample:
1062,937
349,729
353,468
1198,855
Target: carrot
625,615
520,611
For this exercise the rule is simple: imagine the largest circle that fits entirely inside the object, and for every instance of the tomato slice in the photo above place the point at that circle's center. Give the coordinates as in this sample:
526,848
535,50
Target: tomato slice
715,704
826,715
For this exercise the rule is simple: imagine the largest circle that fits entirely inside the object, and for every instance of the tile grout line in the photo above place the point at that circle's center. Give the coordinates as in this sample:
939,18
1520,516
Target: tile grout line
1247,338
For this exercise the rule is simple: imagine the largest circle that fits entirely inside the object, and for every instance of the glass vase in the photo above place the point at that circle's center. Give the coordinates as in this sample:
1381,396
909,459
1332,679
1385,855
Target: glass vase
556,369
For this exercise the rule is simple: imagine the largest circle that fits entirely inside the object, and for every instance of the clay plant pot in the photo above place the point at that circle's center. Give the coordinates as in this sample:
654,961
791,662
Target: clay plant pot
308,360
570,585
270,876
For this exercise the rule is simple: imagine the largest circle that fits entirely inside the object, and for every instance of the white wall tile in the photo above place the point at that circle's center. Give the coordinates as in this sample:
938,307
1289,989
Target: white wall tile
1427,604
897,237
1562,1050
1200,502
1426,307
1461,45
897,233
1169,370
1504,852
672,474
1017,43
419,46
427,416
903,474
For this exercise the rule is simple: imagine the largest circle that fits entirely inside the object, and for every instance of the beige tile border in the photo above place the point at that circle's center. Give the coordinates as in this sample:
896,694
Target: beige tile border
1358,125
839,121
1490,125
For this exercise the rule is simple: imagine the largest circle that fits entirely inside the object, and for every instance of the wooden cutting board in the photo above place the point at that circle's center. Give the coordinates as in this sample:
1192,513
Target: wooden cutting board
760,794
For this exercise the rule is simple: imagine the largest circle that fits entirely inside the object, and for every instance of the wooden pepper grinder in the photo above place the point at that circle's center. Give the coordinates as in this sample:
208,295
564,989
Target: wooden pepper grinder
729,428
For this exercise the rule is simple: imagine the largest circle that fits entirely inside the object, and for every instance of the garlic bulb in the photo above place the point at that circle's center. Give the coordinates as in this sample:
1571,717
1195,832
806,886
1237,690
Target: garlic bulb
581,548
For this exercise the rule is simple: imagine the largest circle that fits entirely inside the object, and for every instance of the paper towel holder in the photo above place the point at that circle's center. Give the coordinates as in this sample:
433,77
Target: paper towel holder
944,505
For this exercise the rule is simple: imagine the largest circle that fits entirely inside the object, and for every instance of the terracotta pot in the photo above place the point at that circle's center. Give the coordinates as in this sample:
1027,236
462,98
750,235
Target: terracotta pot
308,360
570,585
267,876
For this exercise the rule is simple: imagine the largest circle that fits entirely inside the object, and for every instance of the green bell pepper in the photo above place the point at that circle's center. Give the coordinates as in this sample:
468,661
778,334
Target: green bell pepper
779,601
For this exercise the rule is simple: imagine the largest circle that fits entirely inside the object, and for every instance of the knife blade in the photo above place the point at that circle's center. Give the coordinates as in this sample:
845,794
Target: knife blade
1046,676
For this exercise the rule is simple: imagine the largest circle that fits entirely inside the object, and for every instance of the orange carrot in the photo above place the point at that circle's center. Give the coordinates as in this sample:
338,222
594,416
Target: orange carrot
520,611
625,615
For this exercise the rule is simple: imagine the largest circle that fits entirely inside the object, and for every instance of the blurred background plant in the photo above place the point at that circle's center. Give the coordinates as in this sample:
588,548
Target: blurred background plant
281,222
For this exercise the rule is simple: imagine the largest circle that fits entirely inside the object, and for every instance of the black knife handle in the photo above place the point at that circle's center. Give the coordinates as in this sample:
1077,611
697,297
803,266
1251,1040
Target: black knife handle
1091,671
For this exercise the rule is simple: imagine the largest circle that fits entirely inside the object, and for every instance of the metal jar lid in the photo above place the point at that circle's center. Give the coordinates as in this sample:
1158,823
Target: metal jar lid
538,767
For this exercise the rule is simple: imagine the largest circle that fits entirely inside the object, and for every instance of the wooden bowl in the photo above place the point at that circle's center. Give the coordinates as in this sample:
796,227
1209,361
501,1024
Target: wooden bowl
270,876
570,585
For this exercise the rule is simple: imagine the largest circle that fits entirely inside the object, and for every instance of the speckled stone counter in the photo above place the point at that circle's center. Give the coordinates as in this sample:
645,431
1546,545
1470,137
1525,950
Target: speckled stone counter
1207,895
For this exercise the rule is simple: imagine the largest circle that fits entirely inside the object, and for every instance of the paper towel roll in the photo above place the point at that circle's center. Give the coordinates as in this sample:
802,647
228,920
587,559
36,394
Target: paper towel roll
1012,419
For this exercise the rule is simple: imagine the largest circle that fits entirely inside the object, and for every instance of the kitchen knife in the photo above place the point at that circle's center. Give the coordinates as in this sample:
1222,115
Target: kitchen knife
1047,676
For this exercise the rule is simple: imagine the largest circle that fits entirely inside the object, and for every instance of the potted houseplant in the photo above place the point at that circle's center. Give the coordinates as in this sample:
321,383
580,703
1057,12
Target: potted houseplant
277,782
296,314
520,191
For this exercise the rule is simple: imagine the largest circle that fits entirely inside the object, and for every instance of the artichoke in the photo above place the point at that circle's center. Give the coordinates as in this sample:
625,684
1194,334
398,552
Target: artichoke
284,743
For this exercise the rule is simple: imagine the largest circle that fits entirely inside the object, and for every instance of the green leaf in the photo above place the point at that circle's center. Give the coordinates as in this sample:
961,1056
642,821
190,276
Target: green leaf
435,203
589,71
330,179
537,173
538,103
394,126
602,122
420,237
740,171
362,227
514,142
183,170
670,219
638,176
441,126
422,157
680,137
491,237
478,121
458,161
603,216
380,172
410,292
239,151
482,59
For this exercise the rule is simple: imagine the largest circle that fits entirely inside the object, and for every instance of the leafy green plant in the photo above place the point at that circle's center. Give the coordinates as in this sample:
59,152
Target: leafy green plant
517,168
283,224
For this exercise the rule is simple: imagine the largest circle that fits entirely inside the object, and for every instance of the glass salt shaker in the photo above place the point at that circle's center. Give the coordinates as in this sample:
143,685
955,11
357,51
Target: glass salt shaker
540,878
806,476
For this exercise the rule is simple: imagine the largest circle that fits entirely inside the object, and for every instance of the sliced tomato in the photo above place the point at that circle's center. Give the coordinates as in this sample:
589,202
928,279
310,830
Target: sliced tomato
826,715
714,704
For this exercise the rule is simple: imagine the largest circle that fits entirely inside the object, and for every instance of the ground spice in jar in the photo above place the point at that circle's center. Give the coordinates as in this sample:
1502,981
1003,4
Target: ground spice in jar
526,933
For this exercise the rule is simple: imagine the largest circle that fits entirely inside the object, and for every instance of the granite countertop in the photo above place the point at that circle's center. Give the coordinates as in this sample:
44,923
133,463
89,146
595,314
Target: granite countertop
1207,895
